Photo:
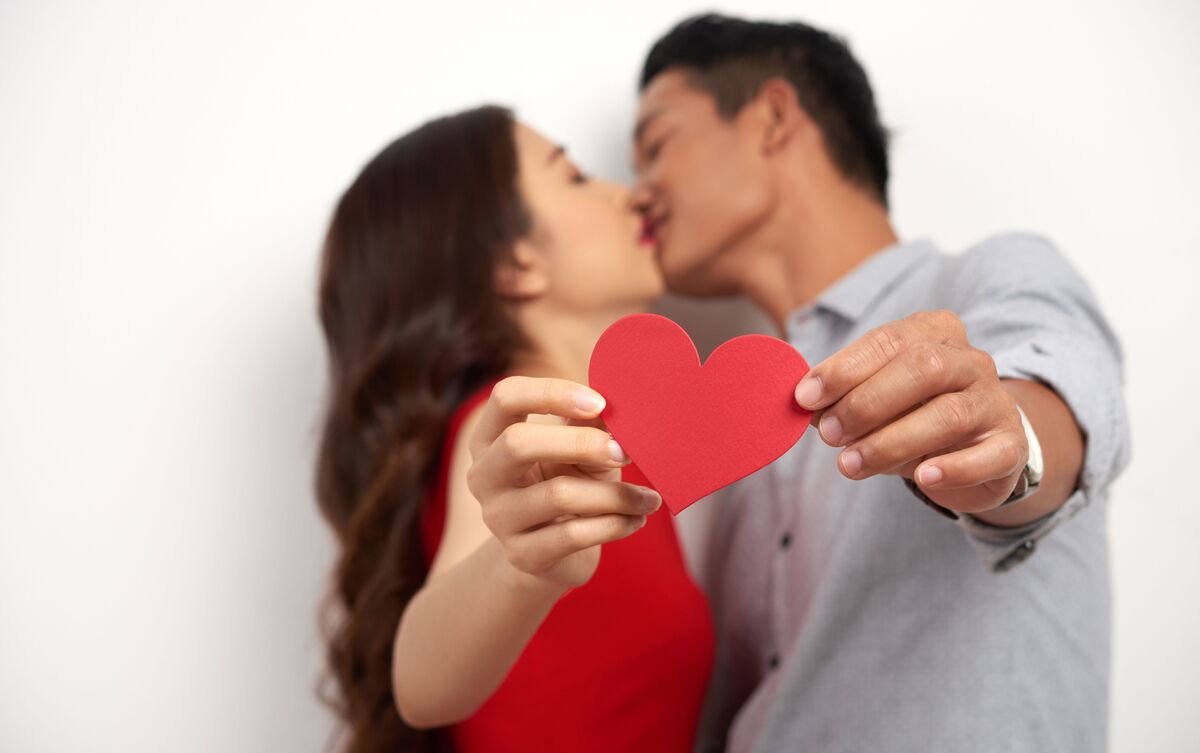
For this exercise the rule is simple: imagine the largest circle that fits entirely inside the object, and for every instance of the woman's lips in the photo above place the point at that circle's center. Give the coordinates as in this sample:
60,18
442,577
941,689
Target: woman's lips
650,231
647,237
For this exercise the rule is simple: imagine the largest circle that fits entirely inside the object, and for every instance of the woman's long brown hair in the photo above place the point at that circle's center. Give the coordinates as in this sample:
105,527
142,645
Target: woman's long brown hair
413,325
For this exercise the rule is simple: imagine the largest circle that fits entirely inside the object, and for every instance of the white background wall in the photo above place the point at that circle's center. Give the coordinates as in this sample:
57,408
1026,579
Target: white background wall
167,168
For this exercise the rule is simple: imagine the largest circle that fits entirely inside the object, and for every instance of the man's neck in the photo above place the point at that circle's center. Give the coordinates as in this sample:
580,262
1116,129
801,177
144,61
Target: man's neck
808,245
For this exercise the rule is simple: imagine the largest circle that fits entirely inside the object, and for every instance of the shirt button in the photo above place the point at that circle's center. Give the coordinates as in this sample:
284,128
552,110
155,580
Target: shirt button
773,662
785,540
1017,556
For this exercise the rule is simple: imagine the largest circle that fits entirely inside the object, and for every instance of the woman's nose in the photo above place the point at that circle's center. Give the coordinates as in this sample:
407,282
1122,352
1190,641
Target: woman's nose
621,196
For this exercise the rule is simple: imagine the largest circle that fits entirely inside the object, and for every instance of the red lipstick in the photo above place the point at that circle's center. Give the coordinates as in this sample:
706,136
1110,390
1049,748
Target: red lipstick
647,237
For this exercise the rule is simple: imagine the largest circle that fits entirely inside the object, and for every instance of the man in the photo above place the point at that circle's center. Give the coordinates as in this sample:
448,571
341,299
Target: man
986,387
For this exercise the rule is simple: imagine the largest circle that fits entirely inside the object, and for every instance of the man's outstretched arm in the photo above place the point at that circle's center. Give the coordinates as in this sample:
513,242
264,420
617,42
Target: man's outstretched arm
916,399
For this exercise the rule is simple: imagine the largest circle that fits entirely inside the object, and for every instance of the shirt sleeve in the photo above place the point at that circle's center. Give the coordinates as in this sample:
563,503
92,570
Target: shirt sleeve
1024,304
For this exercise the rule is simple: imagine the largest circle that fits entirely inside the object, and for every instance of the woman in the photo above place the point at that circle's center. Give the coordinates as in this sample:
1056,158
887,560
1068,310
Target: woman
467,274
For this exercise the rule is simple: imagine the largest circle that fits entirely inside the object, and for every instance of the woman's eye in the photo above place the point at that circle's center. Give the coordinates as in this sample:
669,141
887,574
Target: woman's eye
579,177
653,149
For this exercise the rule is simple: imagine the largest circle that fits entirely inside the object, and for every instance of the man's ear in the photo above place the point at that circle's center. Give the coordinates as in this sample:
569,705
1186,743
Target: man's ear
782,118
522,275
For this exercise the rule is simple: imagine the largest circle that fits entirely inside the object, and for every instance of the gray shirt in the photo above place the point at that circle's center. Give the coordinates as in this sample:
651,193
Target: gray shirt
851,617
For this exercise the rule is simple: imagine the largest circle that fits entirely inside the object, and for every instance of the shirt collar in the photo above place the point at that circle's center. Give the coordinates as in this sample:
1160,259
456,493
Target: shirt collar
852,295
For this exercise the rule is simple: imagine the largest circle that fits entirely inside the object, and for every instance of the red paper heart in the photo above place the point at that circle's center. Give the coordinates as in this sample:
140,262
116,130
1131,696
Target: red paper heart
694,428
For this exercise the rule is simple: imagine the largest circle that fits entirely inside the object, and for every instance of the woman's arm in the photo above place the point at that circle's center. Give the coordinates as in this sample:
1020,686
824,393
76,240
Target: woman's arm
464,629
461,634
528,505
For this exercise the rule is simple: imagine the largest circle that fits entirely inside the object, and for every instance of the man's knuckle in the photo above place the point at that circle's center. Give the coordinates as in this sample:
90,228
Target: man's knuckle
860,405
984,362
956,413
948,320
918,318
929,363
887,342
1012,454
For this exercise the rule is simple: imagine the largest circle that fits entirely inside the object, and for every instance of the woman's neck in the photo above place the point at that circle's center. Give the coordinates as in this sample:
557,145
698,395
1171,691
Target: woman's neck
561,346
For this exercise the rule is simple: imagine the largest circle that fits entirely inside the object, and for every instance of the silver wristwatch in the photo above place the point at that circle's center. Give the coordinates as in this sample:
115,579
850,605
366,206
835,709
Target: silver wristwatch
1027,483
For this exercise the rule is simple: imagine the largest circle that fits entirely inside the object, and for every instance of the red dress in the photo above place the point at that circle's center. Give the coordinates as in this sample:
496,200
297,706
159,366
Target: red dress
619,664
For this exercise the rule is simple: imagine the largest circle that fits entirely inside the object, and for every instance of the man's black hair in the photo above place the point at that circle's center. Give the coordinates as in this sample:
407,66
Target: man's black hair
731,58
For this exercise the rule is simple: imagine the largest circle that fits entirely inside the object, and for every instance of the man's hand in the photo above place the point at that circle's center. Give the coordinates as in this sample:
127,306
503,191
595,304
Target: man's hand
913,398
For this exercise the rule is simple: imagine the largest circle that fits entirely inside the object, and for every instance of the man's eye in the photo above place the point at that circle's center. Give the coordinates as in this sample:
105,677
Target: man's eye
579,177
652,150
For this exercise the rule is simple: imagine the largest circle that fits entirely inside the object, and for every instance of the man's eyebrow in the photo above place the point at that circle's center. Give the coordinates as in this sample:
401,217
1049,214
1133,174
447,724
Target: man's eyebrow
557,152
644,123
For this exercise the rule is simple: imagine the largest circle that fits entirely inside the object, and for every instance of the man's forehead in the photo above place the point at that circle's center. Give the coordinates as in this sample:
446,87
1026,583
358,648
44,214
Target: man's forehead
666,91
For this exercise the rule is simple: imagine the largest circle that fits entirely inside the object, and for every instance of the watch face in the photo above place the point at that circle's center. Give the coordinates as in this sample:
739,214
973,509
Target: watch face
1033,466
1024,488
1022,483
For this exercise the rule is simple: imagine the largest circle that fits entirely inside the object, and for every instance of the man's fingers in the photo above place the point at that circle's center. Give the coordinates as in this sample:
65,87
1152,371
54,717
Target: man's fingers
949,420
831,379
545,502
976,478
513,399
922,372
997,458
537,550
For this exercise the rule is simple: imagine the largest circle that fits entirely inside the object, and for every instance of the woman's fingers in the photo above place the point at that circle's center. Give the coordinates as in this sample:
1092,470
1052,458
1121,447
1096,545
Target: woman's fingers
540,522
522,444
537,550
549,501
515,398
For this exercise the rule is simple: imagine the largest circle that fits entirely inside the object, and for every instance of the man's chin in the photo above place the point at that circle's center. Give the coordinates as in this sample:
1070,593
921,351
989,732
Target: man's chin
691,275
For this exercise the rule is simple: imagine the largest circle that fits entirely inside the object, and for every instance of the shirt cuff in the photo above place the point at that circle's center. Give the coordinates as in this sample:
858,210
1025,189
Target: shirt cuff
1002,549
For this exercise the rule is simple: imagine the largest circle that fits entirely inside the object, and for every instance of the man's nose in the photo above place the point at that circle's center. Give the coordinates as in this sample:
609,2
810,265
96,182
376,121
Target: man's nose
641,197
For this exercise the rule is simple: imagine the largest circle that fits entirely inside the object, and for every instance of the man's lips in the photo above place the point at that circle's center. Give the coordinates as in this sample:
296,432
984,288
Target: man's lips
650,230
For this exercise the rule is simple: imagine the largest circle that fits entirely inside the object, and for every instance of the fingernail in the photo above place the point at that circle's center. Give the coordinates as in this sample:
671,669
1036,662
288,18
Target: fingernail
589,401
929,474
851,462
808,392
652,498
615,452
831,429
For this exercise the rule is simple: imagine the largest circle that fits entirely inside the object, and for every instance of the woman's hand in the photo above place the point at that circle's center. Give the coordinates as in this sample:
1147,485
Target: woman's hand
552,493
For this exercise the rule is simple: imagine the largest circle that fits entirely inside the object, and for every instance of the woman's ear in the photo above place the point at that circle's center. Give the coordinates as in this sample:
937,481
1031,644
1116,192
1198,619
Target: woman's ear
523,274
